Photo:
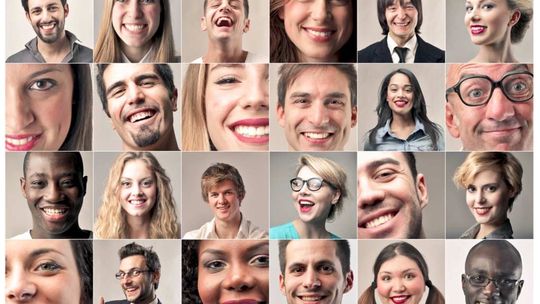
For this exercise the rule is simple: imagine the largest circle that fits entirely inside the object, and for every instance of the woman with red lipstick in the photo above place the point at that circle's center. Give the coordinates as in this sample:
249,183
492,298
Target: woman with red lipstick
137,202
403,124
492,181
401,276
495,26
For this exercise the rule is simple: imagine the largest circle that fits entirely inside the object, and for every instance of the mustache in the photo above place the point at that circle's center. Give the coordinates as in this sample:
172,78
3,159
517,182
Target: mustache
510,123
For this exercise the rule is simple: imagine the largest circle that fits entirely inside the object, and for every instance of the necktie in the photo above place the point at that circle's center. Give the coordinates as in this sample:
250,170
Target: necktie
402,52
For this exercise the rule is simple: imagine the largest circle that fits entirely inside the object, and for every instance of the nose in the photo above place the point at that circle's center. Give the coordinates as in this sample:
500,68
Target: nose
54,193
320,10
18,112
499,107
256,97
311,279
19,289
369,193
134,94
136,190
491,289
398,285
134,9
239,278
318,115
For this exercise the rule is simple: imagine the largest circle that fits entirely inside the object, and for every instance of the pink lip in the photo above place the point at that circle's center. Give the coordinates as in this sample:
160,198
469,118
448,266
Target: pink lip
24,147
54,217
243,301
399,299
305,209
502,132
251,122
482,211
319,38
401,103
477,29
376,214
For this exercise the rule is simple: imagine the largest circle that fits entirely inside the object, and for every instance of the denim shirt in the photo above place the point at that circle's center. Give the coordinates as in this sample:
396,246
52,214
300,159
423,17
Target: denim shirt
503,232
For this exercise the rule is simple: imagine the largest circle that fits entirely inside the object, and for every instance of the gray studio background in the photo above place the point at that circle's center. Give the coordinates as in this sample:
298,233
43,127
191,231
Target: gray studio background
461,49
18,216
107,139
195,41
278,142
275,293
282,209
370,76
78,21
456,253
106,263
176,14
432,29
431,164
252,166
521,215
431,250
170,161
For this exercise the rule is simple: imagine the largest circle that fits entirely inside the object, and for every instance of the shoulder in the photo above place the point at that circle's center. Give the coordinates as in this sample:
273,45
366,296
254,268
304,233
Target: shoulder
198,60
23,56
117,302
84,54
428,52
256,58
201,233
285,231
372,52
255,232
23,236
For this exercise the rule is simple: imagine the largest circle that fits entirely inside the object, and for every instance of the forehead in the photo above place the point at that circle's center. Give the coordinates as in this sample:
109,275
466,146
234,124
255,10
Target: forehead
306,78
493,260
400,78
493,71
398,2
40,3
212,2
311,252
369,161
134,261
223,185
306,172
51,161
126,72
136,166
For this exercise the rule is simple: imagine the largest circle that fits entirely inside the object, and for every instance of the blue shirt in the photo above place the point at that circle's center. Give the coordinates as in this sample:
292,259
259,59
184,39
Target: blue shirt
288,232
418,140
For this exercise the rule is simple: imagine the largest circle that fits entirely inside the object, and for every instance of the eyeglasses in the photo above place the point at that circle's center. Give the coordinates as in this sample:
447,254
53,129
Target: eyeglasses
477,90
478,280
313,183
132,273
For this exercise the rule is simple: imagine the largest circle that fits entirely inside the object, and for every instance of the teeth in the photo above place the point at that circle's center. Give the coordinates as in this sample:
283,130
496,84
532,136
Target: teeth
224,21
20,141
379,221
140,116
311,298
306,204
323,34
52,211
48,26
137,202
134,27
316,135
250,131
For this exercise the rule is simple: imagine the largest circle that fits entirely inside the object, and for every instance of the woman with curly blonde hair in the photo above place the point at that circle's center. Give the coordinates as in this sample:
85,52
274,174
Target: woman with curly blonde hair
137,201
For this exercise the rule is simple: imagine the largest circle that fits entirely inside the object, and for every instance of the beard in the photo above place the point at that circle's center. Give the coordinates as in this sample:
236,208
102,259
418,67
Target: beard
52,38
146,136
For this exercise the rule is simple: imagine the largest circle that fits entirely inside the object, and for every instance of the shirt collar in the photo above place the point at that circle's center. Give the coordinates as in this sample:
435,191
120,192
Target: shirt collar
410,44
418,126
145,58
72,39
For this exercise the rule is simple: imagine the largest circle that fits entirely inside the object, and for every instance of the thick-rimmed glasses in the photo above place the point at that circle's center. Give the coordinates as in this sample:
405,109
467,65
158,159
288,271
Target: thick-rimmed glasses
132,273
476,90
479,280
313,184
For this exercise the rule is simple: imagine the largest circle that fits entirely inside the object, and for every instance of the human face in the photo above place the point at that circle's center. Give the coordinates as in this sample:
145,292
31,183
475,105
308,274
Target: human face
225,20
47,18
140,106
224,201
234,271
317,28
498,125
138,188
488,198
38,106
493,262
390,199
137,289
314,206
313,273
236,102
317,114
54,191
400,281
136,21
399,95
38,271
489,22
401,20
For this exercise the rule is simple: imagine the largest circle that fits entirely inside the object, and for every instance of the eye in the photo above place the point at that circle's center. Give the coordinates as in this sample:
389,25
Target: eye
42,85
410,276
491,188
147,1
335,103
261,261
227,80
147,83
125,184
148,183
214,195
471,189
119,92
67,183
477,279
47,267
488,6
326,269
475,93
297,270
215,265
384,175
386,278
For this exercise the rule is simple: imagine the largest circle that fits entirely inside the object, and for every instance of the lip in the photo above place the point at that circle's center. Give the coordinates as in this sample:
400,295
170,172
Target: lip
138,202
382,228
402,25
482,211
502,132
251,130
311,298
477,29
48,30
317,138
400,299
131,289
134,28
229,18
153,113
305,208
243,301
21,142
401,103
319,34
62,212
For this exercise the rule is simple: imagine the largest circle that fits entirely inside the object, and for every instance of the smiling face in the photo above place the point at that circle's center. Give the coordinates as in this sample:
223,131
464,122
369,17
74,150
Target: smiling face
319,28
489,22
38,271
498,125
135,22
317,114
138,188
236,102
224,201
54,191
401,20
225,20
137,289
390,199
140,106
399,95
233,271
38,106
313,206
47,18
400,281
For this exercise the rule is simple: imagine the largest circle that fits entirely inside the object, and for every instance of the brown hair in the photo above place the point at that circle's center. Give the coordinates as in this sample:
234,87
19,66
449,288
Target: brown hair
218,173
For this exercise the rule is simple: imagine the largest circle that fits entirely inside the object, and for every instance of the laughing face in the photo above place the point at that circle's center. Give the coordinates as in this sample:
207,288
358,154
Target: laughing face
489,22
400,96
138,289
224,201
225,20
317,114
47,18
390,199
400,281
135,22
236,102
54,190
401,20
140,106
138,188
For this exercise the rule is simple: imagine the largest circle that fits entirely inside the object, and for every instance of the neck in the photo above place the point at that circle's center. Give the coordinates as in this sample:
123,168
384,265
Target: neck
311,230
74,232
333,58
401,121
228,229
400,40
494,53
224,51
138,227
56,51
135,54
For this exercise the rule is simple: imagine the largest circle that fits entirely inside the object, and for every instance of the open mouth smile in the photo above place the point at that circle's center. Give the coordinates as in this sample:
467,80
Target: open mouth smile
251,130
135,28
401,103
224,21
312,298
23,142
379,220
400,299
482,210
141,116
55,213
478,29
319,34
305,205
48,26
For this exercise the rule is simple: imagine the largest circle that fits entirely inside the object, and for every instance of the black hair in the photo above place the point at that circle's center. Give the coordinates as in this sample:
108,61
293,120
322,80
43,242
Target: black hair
381,13
75,157
26,8
150,257
83,254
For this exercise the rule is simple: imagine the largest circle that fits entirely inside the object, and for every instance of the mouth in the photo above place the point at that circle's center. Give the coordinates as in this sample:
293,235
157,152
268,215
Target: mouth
141,115
401,103
305,205
252,130
22,142
135,28
312,298
319,34
244,301
478,29
481,211
222,208
137,202
400,299
55,213
402,25
224,21
503,132
378,221
130,290
48,26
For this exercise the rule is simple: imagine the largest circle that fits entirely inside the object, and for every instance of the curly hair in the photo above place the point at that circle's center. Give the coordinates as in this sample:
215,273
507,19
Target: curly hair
190,272
111,222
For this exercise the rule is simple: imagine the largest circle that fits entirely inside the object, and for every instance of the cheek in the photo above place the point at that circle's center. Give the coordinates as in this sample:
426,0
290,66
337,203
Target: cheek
383,289
208,286
116,18
416,287
154,17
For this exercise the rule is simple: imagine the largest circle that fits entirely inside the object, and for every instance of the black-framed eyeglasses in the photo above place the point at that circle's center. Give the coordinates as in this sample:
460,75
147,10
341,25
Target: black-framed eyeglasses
132,273
313,184
479,280
476,90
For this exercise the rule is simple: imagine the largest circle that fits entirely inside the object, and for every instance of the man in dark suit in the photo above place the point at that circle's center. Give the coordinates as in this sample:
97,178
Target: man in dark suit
400,21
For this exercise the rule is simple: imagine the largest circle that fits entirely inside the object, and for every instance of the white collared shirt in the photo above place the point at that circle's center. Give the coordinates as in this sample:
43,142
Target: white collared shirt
412,45
246,231
145,58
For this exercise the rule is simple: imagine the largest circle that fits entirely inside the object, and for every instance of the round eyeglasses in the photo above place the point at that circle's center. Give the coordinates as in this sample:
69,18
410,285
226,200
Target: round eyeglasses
479,280
313,184
476,90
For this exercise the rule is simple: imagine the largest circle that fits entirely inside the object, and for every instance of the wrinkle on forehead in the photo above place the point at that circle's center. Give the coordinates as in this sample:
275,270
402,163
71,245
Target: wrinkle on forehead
494,71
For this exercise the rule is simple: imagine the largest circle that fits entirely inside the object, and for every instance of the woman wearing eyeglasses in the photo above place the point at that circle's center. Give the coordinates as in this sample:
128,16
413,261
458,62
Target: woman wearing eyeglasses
318,191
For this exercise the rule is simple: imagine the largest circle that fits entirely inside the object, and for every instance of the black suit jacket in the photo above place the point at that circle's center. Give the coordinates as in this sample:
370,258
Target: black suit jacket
379,52
123,302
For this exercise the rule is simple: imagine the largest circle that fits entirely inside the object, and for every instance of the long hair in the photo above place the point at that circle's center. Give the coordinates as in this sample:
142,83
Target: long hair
418,109
194,132
108,45
79,136
111,222
282,49
190,272
83,254
407,250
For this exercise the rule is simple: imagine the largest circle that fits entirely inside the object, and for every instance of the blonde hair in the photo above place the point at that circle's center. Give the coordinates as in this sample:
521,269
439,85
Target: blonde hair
194,132
108,45
111,222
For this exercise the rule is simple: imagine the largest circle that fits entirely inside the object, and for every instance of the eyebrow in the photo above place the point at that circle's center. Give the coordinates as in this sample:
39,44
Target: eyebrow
516,68
403,271
250,250
45,71
43,175
329,95
227,65
137,79
380,162
41,251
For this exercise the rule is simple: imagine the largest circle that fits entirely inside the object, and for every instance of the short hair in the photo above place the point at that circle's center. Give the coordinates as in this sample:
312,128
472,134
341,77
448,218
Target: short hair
246,7
150,257
343,252
218,173
75,157
411,162
83,254
504,163
288,73
525,7
381,13
332,173
498,245
27,9
163,70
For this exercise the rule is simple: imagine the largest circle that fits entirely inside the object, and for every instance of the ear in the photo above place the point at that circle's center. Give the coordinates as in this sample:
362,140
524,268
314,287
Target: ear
463,282
354,116
421,190
174,100
22,182
156,276
349,279
247,24
28,17
84,182
203,24
336,197
515,18
281,13
452,122
519,287
66,10
282,283
281,115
